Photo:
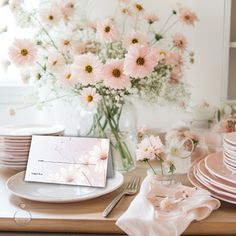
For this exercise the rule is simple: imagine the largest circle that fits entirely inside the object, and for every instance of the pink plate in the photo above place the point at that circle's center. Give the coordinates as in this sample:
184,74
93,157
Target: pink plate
214,180
194,181
215,165
214,190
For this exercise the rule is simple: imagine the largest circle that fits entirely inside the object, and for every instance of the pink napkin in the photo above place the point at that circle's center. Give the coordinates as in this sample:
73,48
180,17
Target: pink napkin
143,218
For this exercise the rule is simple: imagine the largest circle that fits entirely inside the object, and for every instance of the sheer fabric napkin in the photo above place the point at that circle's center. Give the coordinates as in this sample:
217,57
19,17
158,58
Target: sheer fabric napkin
145,217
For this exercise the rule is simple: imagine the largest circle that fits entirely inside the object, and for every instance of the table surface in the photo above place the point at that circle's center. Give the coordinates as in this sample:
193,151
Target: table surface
86,217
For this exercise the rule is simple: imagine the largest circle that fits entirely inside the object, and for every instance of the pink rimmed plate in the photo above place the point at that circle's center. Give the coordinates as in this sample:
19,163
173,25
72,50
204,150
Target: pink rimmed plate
194,181
215,165
223,184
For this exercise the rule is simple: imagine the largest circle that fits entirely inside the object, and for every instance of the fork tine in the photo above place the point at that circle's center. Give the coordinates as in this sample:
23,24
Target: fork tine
131,183
138,183
134,182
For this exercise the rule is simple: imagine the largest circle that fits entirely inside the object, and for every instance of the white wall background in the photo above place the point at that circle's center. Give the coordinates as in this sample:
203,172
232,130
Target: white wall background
205,77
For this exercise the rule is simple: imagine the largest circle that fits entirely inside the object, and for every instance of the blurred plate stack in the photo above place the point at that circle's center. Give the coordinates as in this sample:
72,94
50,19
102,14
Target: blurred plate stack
213,175
229,144
15,142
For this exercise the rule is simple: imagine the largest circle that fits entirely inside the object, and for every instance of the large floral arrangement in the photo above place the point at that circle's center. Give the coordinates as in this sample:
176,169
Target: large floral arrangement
104,61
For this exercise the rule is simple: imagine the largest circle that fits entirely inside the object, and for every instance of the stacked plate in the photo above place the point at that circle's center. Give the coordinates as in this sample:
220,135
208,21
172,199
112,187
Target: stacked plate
15,142
229,144
212,174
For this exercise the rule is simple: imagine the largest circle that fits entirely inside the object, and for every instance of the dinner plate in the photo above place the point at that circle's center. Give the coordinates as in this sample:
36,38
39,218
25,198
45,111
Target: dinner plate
213,188
194,181
228,158
215,165
228,146
223,184
229,166
30,129
230,138
230,154
55,193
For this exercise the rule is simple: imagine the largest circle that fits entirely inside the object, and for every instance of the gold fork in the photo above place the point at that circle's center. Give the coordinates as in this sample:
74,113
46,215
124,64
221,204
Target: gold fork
131,189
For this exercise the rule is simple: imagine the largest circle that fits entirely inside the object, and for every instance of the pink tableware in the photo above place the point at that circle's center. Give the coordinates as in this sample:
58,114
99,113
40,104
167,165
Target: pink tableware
215,165
223,184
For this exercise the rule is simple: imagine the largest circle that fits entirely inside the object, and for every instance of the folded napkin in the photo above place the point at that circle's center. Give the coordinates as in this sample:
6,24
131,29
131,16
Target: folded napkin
165,211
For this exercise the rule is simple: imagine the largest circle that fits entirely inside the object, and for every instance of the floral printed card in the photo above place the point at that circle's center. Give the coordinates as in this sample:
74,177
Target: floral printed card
69,160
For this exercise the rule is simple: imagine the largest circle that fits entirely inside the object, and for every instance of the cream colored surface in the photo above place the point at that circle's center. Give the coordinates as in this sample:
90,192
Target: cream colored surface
86,217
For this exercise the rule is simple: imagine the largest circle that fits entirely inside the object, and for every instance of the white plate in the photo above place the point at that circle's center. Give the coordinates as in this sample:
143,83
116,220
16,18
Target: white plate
17,131
230,138
56,193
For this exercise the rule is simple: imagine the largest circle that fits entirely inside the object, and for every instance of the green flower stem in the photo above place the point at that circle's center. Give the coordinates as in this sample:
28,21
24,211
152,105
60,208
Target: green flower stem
120,145
151,167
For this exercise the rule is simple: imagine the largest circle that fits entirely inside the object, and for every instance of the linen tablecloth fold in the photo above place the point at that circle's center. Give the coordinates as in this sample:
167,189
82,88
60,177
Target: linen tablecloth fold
142,218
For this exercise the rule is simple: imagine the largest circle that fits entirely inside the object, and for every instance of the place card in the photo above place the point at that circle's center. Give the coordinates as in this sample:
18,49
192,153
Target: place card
69,160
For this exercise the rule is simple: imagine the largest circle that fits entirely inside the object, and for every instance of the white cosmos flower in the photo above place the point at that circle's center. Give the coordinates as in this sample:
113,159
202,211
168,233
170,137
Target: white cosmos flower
66,76
70,174
64,37
90,97
175,148
55,61
50,15
100,153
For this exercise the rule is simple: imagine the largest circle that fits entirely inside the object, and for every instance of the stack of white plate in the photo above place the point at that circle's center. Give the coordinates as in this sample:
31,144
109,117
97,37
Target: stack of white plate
229,144
212,174
15,142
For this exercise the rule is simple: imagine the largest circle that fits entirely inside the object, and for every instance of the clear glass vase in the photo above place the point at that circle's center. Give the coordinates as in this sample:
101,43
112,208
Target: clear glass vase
119,124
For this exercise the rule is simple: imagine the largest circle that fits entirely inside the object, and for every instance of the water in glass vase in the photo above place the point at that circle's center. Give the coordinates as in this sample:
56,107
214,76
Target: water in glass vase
119,124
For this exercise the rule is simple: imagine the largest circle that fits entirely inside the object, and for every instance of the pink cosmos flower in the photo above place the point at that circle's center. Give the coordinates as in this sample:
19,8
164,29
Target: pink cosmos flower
166,204
78,47
113,75
51,16
180,41
140,61
23,52
135,37
90,97
66,76
106,31
187,16
149,148
87,68
176,74
68,8
127,11
151,17
173,59
100,154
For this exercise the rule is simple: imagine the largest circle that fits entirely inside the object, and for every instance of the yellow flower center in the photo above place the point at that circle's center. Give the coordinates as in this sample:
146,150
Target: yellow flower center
88,69
50,17
68,76
134,40
107,29
24,52
163,52
140,61
89,98
116,73
139,7
174,151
